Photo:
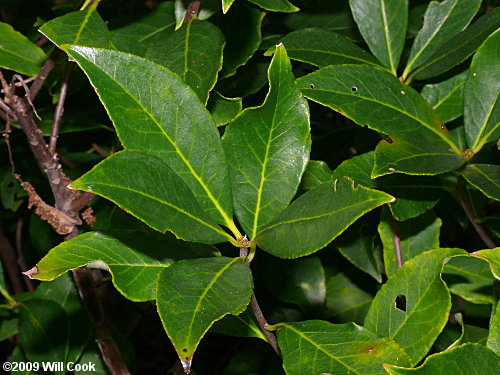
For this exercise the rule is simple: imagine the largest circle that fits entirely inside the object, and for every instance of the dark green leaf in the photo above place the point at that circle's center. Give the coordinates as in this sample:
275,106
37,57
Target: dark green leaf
85,28
442,21
267,148
223,109
153,110
470,278
446,97
133,260
318,347
459,47
415,236
355,91
317,217
462,360
315,174
486,177
194,52
322,48
482,89
9,324
17,53
146,187
492,256
413,156
192,294
383,25
136,36
242,325
10,191
425,303
346,301
493,341
276,5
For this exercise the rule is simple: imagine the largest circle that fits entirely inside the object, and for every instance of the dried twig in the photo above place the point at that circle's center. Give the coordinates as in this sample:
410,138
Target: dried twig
59,109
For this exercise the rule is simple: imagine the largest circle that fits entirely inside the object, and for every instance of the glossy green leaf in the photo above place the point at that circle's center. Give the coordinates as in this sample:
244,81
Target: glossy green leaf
172,123
493,341
18,53
323,48
354,90
442,21
486,177
267,148
492,256
413,156
315,174
462,360
482,88
414,194
426,303
242,325
415,236
192,294
317,217
136,36
470,278
194,52
207,10
134,260
226,4
223,109
319,347
460,47
84,28
146,187
44,331
383,24
276,5
346,301
447,97
242,30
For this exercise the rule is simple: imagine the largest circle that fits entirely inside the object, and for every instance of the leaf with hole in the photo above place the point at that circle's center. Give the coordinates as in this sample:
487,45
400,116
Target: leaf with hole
383,24
412,307
317,217
277,138
319,347
192,294
154,111
133,259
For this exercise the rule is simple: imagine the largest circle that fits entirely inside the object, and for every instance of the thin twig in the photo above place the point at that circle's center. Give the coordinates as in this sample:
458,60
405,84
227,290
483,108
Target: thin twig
59,110
462,196
44,73
192,10
397,242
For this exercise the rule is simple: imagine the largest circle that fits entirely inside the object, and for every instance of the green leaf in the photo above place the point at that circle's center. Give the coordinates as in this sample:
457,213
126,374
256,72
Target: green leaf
315,174
482,88
18,53
415,236
9,324
346,301
426,303
318,347
317,217
493,342
146,187
323,48
462,360
354,90
194,52
485,177
226,4
134,260
383,24
492,256
267,148
447,97
172,123
442,21
413,156
276,5
136,36
460,47
84,27
44,331
192,294
242,325
223,109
